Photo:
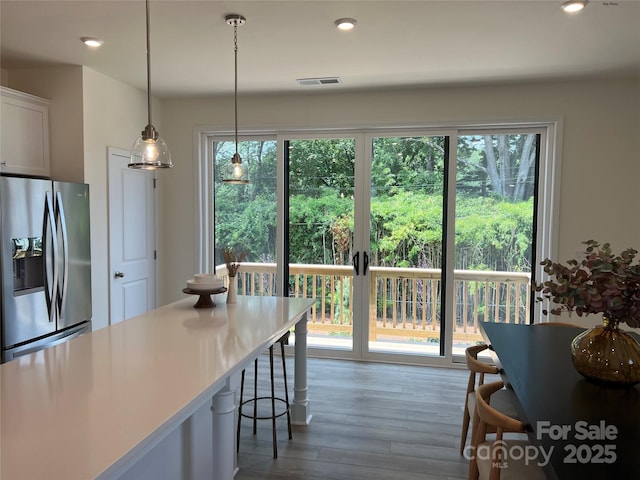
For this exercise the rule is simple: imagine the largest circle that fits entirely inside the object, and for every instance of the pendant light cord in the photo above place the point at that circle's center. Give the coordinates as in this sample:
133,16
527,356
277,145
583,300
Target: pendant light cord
235,92
148,67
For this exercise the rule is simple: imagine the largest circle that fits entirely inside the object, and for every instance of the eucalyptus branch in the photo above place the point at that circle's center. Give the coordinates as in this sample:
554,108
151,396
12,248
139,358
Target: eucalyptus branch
600,282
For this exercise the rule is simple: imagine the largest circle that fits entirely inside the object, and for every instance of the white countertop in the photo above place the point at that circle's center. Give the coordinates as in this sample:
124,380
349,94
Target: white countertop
76,410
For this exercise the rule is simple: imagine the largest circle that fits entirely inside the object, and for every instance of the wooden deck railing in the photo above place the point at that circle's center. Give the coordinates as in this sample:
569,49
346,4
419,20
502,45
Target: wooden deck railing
404,303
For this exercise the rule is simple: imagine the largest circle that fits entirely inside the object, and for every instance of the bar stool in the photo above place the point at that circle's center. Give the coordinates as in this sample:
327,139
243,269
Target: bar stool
254,400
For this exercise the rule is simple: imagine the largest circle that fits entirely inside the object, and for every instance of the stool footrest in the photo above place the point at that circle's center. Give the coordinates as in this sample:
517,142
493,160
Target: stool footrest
268,417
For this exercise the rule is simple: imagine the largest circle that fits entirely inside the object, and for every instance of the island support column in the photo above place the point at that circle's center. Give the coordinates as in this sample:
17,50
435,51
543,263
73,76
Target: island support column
300,409
224,445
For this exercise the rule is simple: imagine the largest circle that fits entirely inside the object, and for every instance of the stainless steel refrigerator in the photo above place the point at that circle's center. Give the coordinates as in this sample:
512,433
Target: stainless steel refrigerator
45,263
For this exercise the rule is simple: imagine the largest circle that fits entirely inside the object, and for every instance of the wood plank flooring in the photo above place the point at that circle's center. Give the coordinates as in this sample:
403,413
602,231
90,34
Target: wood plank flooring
371,421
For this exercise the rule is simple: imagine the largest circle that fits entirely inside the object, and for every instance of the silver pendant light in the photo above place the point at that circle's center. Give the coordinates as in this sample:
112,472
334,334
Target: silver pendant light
234,172
149,151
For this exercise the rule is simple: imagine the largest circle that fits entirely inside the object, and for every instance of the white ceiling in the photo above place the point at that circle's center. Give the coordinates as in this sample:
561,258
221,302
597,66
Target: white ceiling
395,43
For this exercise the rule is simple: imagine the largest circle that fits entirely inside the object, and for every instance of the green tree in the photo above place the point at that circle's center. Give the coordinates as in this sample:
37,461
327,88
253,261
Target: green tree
493,209
315,165
407,163
246,214
500,165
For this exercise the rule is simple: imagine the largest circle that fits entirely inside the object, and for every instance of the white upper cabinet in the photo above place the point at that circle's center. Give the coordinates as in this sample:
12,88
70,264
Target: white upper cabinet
24,125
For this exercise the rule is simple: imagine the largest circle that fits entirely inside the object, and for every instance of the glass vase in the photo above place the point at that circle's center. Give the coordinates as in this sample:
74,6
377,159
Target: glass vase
606,355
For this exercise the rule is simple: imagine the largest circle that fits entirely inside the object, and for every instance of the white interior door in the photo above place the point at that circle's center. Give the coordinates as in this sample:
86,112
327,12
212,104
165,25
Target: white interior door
131,238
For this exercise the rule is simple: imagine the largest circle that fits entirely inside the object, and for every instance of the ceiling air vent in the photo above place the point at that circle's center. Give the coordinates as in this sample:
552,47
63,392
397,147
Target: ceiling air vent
318,81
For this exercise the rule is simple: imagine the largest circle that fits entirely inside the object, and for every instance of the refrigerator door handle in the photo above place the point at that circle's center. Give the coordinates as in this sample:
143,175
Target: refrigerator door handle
53,343
50,257
65,252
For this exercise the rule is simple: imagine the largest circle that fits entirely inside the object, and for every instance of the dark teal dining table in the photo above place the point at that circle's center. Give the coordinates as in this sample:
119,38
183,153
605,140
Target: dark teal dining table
592,431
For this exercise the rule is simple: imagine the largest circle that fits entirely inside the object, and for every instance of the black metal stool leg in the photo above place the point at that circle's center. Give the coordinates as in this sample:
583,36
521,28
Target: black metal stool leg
255,397
273,405
286,389
240,412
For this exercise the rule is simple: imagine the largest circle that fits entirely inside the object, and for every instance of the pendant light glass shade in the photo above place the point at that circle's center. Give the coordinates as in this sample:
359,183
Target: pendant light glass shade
234,172
149,151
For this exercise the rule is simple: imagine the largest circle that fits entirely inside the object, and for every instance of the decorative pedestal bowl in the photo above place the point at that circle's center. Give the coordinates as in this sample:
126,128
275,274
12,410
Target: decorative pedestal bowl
205,300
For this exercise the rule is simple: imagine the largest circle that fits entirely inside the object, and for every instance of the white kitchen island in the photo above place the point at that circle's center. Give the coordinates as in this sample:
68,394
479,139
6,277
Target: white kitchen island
151,397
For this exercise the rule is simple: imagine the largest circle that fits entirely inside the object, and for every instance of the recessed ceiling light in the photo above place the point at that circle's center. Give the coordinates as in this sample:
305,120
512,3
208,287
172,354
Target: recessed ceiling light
91,42
346,23
574,5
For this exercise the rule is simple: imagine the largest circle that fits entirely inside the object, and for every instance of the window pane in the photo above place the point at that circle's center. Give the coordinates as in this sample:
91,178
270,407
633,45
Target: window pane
321,209
406,218
495,188
246,214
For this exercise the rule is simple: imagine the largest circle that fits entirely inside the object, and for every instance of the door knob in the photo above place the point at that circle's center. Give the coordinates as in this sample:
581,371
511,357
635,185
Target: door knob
119,275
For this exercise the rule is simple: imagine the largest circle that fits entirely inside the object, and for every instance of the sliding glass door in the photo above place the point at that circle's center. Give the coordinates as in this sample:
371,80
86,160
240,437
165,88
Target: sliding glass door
406,232
407,239
408,246
495,230
320,235
365,239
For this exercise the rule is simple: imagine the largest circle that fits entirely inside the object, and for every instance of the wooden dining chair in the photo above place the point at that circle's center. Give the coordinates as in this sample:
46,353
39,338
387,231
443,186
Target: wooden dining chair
503,401
491,460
